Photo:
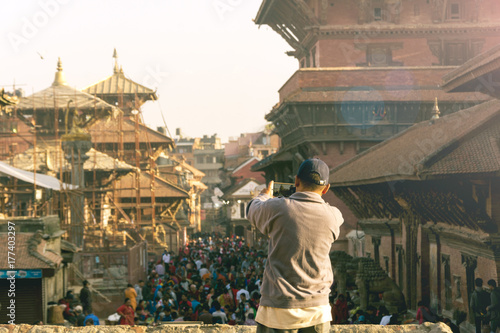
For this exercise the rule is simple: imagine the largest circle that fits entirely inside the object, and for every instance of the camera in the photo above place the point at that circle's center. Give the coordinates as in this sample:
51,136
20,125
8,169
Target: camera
283,189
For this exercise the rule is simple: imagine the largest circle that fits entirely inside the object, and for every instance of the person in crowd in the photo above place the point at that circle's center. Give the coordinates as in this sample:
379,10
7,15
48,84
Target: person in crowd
341,311
424,314
68,313
250,320
205,315
131,294
91,315
126,312
242,309
371,315
141,311
242,291
359,317
493,309
160,269
86,297
70,297
479,301
80,316
138,289
194,303
166,259
218,315
385,316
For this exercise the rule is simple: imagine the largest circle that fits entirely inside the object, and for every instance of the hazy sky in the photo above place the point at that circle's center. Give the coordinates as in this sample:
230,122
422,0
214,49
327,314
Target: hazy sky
214,70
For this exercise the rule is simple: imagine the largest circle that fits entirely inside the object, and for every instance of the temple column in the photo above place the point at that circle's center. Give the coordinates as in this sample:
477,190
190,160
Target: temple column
75,147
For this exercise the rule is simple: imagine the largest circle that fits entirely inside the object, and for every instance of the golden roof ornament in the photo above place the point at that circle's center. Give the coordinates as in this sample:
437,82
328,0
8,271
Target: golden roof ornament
59,79
435,110
116,68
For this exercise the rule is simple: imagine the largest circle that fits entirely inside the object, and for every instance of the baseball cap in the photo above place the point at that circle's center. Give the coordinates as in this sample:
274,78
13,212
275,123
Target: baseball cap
311,166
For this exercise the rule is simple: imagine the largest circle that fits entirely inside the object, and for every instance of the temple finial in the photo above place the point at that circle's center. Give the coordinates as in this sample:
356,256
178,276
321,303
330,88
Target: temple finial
435,110
59,79
115,55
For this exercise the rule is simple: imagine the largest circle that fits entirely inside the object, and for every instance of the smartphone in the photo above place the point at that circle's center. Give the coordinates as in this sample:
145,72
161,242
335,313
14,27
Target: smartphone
283,189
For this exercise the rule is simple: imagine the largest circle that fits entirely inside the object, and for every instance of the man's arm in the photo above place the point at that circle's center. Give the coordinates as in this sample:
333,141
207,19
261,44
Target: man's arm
257,213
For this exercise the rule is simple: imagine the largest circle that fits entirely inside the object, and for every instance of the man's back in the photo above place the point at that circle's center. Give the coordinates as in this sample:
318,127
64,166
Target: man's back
302,229
298,272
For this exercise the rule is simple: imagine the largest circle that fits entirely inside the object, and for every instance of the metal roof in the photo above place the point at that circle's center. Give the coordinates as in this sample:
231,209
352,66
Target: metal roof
118,84
41,180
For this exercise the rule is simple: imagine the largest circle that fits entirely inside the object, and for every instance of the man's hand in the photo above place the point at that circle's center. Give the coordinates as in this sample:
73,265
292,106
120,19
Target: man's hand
269,189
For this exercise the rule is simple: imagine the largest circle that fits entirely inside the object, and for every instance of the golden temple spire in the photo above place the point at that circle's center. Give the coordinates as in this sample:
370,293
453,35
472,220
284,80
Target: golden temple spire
115,69
435,110
59,79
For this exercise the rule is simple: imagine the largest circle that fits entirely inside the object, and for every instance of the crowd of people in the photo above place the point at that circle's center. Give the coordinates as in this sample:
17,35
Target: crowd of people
214,280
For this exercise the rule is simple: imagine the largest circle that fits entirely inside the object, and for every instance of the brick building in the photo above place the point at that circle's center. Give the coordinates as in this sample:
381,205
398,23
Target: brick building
367,71
427,198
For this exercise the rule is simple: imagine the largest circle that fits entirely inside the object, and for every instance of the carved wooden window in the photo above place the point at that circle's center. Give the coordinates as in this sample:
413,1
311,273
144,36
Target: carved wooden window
454,11
455,53
377,14
302,63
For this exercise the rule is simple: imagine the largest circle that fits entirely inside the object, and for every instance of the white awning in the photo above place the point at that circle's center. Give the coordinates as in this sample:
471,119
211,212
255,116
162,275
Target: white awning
41,180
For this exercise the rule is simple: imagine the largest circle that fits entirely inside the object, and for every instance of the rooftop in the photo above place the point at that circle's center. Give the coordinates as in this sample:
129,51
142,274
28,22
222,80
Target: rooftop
462,143
31,252
119,84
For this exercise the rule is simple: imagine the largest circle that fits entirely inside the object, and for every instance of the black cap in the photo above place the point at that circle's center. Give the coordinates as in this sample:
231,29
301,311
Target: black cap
314,165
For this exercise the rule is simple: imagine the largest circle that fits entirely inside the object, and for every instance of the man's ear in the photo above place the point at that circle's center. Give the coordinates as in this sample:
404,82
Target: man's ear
297,181
327,187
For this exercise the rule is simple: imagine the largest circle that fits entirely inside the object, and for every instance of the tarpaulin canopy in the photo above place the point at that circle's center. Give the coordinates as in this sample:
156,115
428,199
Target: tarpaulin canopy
41,180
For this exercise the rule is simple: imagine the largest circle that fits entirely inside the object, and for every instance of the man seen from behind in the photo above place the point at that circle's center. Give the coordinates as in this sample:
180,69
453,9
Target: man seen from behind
298,272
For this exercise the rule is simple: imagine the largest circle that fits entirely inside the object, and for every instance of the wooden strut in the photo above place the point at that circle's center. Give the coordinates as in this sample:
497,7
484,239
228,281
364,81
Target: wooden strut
119,209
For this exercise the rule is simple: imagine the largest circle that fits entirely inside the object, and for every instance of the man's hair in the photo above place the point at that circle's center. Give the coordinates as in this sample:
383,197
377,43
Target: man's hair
478,282
492,283
307,185
89,321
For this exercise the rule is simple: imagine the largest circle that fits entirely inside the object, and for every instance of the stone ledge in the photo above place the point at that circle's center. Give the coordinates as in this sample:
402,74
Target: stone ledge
170,328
